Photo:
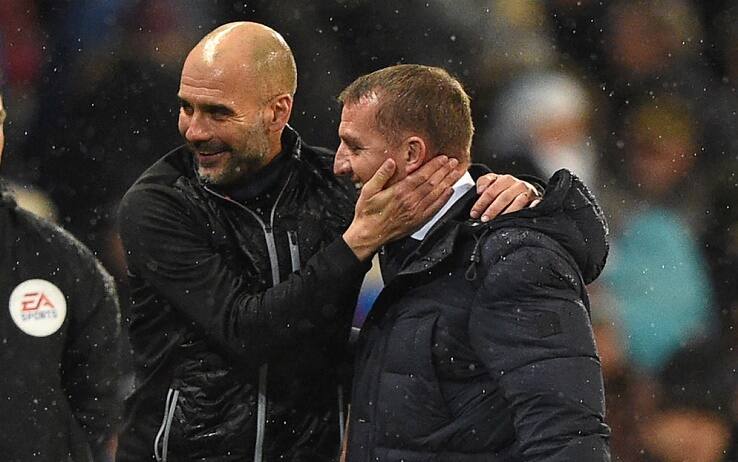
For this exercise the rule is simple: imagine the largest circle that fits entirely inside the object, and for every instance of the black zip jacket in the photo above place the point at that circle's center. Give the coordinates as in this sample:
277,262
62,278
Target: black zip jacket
237,303
59,329
481,347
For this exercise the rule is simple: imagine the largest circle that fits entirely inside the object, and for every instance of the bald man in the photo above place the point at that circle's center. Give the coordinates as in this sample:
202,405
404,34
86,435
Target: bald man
246,256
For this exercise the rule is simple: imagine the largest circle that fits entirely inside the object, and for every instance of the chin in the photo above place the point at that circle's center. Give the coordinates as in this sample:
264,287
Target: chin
210,176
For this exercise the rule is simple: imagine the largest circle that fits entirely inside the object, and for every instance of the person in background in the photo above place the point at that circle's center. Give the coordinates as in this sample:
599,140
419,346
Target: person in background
658,275
246,256
59,328
541,124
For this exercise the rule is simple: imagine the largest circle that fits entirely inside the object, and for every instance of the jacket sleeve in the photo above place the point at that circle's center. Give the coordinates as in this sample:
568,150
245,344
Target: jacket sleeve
531,330
169,247
91,366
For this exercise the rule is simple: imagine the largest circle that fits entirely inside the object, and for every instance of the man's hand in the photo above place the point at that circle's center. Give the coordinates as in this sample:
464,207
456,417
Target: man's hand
385,214
500,194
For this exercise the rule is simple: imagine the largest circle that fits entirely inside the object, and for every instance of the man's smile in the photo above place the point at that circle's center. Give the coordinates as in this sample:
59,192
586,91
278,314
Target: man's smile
206,159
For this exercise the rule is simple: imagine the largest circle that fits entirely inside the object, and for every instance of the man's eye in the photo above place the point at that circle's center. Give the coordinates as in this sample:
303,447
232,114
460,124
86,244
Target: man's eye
220,113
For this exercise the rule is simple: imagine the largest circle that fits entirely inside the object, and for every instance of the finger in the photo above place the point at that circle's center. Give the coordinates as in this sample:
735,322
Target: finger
443,178
484,181
423,189
519,203
426,194
501,202
428,206
380,178
453,174
438,165
488,196
482,203
532,190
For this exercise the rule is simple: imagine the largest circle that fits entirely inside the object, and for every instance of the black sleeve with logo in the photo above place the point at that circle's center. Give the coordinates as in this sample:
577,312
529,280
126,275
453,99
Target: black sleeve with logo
59,326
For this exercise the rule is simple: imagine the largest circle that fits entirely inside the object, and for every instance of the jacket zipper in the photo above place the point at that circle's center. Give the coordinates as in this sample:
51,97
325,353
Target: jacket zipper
295,256
294,250
166,425
274,263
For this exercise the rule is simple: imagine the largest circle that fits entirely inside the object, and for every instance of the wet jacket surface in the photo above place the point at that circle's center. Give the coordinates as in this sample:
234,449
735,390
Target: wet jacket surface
222,287
59,329
481,347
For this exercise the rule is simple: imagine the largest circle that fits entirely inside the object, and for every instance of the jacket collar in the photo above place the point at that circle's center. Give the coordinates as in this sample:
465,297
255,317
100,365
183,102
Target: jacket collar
568,213
439,241
185,163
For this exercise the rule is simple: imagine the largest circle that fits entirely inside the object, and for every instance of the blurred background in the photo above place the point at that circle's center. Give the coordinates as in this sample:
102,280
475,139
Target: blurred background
636,97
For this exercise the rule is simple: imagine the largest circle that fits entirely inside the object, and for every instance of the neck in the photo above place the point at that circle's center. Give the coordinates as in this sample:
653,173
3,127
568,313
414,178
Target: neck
260,182
275,145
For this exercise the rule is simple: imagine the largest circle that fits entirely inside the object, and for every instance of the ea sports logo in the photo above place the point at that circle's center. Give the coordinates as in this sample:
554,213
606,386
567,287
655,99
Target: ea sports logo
37,307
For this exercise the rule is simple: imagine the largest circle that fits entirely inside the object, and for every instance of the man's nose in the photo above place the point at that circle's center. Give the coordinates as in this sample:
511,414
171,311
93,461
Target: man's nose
198,129
341,165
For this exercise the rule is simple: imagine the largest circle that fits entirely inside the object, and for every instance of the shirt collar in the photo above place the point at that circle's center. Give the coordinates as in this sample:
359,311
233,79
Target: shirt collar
462,185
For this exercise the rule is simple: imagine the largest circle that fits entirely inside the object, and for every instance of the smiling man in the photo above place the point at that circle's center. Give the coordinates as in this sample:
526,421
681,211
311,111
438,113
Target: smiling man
246,255
480,346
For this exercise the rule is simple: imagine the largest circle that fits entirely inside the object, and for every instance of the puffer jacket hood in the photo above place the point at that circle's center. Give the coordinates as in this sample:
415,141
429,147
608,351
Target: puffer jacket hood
570,214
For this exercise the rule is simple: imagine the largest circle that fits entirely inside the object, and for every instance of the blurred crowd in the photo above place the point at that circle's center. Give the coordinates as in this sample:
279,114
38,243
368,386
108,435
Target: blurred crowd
636,97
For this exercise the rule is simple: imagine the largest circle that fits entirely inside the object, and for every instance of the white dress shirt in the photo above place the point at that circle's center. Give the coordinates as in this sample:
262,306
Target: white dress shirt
464,184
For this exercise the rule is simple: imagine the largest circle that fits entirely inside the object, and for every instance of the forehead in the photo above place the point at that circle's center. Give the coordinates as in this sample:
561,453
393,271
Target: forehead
359,118
217,81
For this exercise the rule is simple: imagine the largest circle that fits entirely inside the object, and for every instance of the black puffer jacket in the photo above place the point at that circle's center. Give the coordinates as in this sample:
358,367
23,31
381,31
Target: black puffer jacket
59,328
481,348
222,288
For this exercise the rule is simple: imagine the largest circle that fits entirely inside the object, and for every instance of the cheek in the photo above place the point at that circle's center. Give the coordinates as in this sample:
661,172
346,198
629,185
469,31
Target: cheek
182,124
366,168
360,168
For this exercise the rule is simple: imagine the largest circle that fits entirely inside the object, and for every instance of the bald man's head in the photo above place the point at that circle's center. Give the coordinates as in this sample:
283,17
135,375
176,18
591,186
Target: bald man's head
255,49
236,94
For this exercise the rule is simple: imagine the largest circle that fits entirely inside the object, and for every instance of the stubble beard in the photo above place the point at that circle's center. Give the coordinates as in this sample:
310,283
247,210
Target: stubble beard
240,162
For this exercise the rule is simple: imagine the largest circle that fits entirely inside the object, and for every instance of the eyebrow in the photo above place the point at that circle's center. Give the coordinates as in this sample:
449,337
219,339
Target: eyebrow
217,107
349,139
207,107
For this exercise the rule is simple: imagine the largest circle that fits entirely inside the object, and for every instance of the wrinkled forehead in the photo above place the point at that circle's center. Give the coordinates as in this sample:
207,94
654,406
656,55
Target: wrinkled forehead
361,113
223,78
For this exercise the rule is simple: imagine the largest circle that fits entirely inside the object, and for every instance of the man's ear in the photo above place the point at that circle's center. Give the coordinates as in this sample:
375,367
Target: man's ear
416,153
278,112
